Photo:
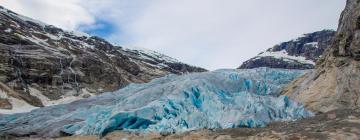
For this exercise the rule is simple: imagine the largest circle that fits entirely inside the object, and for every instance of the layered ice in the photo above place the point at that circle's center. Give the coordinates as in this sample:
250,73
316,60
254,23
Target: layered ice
218,99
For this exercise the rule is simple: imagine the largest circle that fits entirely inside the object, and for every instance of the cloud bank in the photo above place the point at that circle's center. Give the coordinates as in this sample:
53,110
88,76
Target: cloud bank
208,33
67,14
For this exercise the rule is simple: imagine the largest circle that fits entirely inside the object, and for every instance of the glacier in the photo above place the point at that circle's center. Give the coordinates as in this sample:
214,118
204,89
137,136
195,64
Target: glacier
171,104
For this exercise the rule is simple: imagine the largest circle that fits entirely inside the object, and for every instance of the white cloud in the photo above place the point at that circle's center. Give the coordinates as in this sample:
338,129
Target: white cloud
67,14
222,34
208,33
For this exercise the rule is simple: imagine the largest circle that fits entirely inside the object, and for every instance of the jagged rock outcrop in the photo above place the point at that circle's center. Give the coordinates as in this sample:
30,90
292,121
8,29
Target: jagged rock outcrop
335,82
300,53
45,65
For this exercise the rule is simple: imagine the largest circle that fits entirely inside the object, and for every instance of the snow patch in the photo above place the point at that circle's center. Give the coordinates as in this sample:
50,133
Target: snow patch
3,95
52,37
8,30
41,42
299,38
3,10
284,55
34,39
18,106
312,44
79,34
24,18
63,100
147,54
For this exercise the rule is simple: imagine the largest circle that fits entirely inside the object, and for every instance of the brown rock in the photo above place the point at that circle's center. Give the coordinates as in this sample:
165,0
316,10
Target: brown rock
5,104
335,82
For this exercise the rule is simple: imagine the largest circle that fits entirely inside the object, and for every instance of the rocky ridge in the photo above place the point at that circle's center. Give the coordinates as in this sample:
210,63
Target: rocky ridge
334,84
300,53
43,65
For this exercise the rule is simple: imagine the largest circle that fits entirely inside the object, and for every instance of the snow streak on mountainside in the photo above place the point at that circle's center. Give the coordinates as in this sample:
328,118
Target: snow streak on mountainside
218,99
300,53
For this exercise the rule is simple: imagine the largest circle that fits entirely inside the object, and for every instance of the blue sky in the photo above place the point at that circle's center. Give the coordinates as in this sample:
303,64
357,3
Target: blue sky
208,33
102,28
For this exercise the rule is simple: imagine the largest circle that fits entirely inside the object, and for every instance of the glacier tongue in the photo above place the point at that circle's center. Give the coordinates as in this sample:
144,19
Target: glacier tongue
218,99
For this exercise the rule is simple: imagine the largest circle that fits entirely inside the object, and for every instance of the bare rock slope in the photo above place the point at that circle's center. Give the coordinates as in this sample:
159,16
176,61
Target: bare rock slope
334,84
42,65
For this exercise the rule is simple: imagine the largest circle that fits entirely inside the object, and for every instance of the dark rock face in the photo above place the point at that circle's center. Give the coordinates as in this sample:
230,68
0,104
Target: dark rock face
301,53
269,61
334,84
36,58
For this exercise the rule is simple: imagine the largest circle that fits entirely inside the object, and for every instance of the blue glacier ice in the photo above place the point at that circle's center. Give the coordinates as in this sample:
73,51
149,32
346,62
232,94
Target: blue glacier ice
217,99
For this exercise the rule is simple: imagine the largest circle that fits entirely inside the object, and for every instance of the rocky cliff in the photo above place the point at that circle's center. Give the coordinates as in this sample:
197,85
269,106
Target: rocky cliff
42,65
300,53
335,82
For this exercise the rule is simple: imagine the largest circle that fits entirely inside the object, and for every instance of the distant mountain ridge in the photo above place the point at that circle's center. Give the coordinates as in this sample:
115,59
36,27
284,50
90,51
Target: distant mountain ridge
45,65
300,53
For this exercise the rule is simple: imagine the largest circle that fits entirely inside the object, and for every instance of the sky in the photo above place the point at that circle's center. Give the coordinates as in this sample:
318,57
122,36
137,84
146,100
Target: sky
212,34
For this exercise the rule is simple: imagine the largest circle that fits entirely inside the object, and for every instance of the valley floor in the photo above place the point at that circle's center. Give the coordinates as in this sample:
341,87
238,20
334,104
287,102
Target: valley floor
337,125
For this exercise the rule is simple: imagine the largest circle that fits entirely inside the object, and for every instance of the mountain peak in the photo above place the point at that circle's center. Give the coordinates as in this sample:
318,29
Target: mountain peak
46,65
300,53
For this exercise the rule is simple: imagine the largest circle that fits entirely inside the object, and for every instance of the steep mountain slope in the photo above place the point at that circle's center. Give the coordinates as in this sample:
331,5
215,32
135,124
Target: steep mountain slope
42,65
335,82
300,53
217,99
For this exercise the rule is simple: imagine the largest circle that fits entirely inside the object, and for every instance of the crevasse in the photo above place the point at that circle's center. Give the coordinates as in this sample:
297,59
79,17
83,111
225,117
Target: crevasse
217,99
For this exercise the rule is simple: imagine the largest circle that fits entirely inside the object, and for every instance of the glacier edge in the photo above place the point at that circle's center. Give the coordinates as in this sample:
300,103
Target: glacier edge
210,100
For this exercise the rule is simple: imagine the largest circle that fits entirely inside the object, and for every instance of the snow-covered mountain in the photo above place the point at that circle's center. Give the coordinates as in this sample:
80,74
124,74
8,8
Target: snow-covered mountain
43,65
300,53
218,99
